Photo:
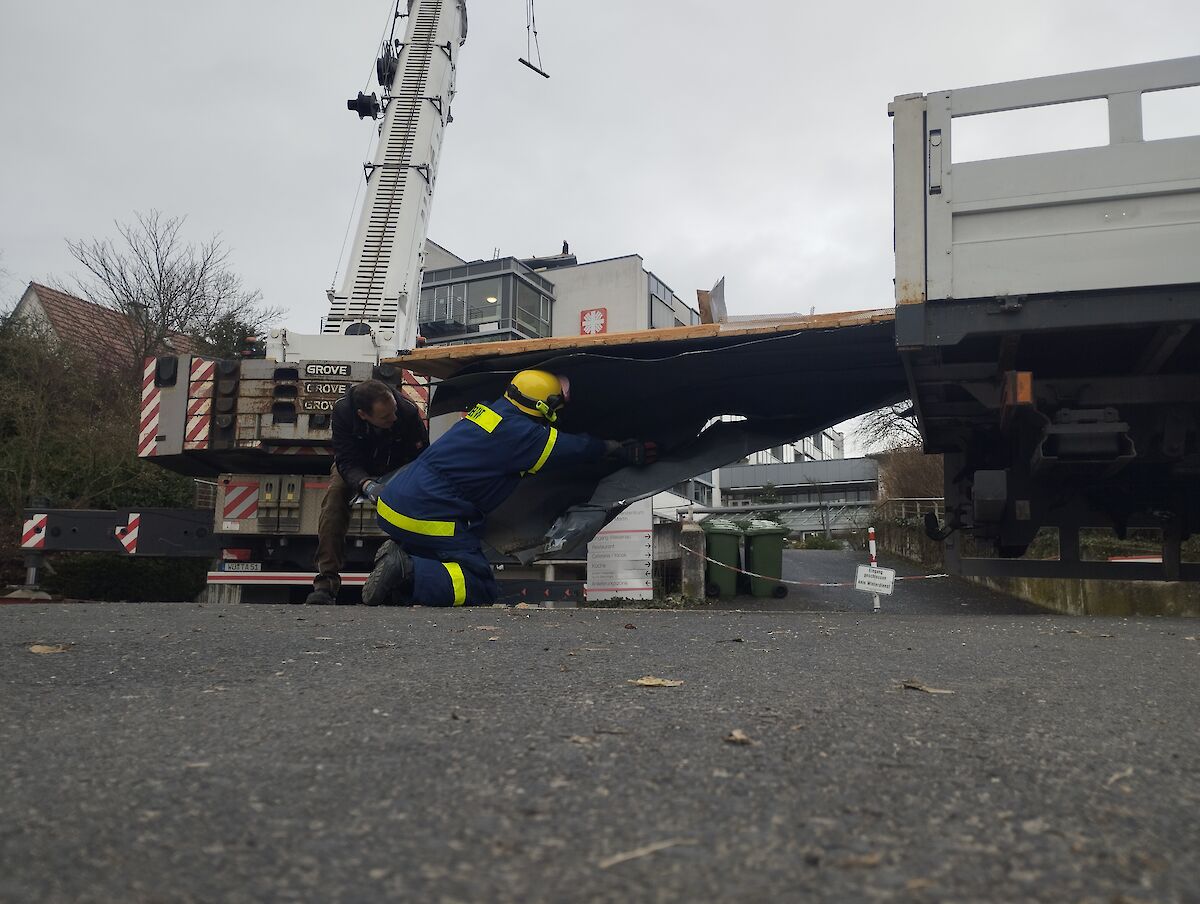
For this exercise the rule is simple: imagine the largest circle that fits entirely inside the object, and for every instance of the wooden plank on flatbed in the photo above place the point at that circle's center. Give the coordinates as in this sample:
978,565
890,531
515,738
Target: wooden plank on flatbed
446,360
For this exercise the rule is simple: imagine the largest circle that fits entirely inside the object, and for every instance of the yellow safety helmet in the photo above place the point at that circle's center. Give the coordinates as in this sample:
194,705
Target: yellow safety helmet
539,392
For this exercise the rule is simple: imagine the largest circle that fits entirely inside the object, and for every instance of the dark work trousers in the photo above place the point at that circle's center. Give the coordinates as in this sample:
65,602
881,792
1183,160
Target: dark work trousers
331,533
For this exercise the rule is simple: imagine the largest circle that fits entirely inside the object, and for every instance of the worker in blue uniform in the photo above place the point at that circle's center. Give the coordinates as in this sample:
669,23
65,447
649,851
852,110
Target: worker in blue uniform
434,510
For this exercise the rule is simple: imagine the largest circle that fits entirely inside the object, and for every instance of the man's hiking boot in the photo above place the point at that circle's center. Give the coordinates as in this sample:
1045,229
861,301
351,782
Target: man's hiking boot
321,597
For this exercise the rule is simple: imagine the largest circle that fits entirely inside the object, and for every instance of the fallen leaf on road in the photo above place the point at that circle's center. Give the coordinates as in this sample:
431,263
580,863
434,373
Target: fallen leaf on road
1117,776
582,740
1034,826
47,648
860,860
487,627
917,686
524,606
737,736
631,627
643,851
651,681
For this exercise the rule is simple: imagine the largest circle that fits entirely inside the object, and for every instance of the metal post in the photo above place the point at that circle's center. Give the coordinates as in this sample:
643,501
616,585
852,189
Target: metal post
33,561
692,552
30,591
871,547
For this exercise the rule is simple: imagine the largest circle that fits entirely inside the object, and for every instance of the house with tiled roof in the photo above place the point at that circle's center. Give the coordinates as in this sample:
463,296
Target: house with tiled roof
100,332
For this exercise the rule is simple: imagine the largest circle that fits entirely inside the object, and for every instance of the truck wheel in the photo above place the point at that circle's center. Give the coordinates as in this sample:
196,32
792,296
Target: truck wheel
779,592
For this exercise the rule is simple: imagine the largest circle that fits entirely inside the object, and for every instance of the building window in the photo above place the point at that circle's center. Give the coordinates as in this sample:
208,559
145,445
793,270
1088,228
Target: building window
485,301
662,315
532,310
443,305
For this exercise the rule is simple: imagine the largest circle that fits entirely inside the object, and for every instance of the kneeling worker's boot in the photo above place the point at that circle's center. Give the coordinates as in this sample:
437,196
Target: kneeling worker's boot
392,575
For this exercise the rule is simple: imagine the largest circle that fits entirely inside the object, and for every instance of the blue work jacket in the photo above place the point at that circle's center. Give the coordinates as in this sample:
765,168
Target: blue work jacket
441,499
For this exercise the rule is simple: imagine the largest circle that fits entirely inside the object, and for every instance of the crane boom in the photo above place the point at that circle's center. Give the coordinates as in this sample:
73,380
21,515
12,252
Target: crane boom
374,313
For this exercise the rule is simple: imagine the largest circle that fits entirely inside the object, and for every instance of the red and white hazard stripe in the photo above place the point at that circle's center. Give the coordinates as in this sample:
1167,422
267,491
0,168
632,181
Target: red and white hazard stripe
415,388
283,578
148,422
874,563
200,393
241,501
128,535
33,533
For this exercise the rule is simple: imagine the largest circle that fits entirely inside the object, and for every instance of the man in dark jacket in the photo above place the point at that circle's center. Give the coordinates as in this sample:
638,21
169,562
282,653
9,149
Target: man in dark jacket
435,511
375,431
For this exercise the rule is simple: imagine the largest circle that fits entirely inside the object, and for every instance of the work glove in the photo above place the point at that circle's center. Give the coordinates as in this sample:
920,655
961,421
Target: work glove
638,452
371,490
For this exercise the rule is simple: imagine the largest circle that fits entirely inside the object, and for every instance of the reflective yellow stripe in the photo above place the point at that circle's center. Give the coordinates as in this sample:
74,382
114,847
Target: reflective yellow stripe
545,452
414,525
484,417
457,581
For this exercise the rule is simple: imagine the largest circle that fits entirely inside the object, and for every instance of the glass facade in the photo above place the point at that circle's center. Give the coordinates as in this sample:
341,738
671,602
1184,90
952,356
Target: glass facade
666,310
485,301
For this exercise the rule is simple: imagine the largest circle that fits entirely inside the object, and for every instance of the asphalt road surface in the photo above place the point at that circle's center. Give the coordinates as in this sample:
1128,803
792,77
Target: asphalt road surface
274,753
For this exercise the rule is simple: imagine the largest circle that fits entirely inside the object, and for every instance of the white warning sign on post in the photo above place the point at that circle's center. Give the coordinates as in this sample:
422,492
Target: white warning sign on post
620,559
874,580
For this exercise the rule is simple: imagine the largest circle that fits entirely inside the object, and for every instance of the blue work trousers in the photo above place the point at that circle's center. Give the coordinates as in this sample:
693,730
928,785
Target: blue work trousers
449,577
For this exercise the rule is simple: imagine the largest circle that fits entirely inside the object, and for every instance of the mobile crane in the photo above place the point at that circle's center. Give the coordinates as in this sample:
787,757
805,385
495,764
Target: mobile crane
262,428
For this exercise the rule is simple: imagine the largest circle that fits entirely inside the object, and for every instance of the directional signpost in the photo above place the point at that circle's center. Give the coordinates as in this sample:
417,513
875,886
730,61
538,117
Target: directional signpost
873,579
621,557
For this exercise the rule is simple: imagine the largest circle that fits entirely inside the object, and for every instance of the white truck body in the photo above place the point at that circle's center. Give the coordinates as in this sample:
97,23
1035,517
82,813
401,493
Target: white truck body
1123,215
1048,320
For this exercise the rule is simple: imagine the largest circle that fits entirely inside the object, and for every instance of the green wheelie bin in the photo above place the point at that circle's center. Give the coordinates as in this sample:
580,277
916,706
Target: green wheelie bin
723,540
764,556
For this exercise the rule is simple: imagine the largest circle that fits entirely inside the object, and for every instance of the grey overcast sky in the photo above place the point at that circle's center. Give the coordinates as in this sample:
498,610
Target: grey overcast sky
748,139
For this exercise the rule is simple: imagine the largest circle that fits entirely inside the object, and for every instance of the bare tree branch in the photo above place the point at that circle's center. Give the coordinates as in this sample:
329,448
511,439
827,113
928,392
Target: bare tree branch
893,427
907,473
164,285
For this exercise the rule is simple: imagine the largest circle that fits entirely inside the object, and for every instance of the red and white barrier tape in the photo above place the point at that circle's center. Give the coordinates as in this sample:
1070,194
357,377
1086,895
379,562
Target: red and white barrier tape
911,577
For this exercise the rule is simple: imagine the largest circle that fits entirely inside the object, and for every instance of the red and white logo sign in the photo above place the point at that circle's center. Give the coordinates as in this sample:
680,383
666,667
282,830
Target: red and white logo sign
33,533
128,535
593,321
